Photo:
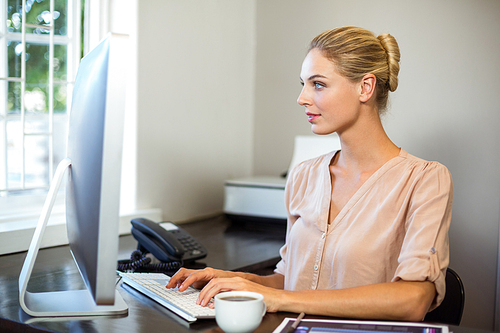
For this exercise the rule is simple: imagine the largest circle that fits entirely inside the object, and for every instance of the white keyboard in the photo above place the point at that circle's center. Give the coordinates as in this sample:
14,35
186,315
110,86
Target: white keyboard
181,303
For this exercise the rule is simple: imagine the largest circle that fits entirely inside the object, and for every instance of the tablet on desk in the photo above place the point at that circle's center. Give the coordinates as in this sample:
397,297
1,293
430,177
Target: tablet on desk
357,326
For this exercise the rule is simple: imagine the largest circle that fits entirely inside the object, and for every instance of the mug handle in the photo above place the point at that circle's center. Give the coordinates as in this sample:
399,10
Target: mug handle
264,308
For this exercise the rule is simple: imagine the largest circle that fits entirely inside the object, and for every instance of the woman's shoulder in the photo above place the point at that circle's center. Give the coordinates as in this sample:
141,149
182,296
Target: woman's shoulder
414,160
423,166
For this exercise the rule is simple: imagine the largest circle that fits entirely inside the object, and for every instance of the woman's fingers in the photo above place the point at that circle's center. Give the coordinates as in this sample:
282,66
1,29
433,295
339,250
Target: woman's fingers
179,277
198,278
216,286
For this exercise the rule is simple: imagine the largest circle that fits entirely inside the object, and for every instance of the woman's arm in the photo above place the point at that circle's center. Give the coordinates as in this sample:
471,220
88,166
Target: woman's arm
402,300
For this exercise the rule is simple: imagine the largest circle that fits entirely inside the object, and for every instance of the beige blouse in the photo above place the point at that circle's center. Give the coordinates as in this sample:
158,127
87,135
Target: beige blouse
395,227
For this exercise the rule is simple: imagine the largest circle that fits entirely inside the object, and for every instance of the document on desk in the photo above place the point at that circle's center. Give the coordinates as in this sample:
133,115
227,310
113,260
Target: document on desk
358,326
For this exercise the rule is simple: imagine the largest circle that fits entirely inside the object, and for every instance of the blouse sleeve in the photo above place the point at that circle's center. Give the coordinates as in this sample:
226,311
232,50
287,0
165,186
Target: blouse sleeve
425,251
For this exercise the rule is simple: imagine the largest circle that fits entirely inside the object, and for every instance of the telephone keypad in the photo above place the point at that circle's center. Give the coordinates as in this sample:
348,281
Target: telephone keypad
190,244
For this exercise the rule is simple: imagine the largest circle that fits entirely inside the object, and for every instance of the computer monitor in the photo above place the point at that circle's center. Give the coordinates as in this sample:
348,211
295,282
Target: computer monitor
95,140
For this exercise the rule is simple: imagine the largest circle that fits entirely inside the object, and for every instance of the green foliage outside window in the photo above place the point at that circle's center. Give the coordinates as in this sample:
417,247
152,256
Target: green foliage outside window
37,56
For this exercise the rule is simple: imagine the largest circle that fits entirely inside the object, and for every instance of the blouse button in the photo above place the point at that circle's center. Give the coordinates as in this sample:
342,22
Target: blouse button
323,235
315,267
433,250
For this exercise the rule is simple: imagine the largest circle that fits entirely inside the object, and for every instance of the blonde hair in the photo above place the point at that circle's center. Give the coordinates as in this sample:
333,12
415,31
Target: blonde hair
356,52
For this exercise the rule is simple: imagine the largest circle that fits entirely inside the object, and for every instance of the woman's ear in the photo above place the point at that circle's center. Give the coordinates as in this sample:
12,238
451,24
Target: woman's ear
368,84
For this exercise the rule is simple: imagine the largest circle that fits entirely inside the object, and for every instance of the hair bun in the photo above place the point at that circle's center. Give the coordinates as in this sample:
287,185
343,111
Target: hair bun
393,56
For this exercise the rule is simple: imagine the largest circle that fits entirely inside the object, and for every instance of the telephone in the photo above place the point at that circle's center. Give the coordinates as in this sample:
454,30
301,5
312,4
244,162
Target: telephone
168,243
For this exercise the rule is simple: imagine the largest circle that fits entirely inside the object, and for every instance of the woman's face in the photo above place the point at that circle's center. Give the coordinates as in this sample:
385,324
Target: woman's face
331,100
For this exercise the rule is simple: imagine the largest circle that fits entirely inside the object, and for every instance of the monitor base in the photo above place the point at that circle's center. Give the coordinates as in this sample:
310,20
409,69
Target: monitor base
70,303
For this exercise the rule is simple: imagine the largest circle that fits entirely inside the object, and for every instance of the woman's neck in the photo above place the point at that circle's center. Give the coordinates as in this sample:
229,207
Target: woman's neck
365,148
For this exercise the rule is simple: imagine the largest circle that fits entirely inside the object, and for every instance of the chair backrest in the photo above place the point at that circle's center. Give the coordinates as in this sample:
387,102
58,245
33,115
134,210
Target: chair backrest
451,309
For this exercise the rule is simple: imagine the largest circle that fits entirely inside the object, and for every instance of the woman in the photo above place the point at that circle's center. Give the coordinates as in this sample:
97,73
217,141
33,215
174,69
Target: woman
367,233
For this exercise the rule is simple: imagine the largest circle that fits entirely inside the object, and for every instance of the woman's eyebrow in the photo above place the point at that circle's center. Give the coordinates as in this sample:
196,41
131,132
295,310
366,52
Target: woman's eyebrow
315,76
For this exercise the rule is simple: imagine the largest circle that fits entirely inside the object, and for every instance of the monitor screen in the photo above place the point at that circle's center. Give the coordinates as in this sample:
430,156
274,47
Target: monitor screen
95,144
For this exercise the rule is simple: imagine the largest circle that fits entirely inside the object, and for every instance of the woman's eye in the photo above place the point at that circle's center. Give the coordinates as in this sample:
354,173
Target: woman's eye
318,85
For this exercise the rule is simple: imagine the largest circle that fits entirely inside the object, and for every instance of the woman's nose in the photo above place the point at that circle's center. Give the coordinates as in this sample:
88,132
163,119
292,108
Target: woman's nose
302,99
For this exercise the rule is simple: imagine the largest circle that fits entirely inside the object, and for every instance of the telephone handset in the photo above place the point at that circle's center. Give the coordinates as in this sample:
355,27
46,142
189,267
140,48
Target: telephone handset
166,241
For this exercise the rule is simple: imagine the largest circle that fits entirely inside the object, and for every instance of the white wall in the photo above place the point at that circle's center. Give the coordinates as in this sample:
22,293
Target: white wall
446,107
210,108
195,103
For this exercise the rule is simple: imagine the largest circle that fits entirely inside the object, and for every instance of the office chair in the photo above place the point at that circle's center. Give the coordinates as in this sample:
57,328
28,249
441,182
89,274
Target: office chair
451,309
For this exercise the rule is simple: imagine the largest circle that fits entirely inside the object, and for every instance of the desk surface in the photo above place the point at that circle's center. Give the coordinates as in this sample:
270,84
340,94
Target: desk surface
229,247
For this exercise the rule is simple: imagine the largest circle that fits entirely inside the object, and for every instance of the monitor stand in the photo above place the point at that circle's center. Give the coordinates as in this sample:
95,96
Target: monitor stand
70,303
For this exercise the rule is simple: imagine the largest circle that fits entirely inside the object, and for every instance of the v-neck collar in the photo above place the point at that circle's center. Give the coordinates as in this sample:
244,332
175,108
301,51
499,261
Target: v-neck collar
360,192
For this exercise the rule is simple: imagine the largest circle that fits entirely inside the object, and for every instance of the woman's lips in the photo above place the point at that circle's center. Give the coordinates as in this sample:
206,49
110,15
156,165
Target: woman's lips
311,116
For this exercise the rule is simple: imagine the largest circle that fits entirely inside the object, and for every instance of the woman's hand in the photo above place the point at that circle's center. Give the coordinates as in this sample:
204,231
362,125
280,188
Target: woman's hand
198,278
214,281
219,285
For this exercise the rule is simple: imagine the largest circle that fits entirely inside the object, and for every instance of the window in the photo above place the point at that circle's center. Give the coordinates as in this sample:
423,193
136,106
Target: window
35,89
39,52
32,142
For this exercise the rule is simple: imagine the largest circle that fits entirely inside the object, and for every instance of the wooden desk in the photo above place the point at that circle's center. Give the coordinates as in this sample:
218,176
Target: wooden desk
229,247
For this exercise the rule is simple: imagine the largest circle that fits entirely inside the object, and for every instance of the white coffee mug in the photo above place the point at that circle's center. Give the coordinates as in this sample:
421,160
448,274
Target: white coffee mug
239,311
